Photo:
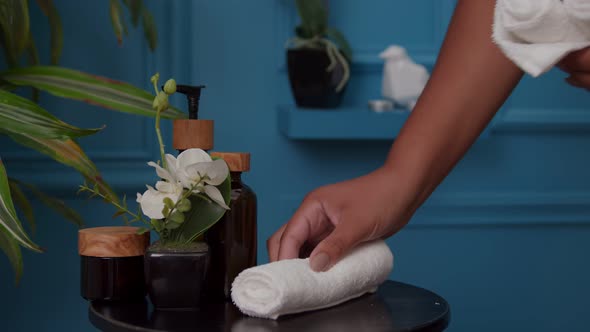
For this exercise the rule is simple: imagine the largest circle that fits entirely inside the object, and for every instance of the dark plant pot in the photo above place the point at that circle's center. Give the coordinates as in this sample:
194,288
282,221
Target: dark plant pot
175,276
312,85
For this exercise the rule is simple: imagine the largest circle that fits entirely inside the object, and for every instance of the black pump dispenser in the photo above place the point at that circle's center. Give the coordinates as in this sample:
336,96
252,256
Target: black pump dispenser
193,94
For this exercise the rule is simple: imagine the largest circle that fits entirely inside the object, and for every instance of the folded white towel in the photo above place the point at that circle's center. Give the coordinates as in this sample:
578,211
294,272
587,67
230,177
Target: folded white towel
290,286
536,34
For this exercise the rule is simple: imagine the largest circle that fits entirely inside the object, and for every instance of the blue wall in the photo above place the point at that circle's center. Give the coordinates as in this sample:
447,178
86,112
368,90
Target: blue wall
504,238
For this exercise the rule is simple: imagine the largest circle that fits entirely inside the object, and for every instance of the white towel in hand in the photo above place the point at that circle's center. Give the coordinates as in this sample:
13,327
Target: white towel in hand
290,286
536,34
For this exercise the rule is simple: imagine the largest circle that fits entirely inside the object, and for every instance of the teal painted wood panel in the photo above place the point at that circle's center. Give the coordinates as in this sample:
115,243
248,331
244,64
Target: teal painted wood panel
504,237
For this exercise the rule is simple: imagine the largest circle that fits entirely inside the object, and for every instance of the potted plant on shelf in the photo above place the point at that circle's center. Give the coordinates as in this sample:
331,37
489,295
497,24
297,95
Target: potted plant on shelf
318,58
191,196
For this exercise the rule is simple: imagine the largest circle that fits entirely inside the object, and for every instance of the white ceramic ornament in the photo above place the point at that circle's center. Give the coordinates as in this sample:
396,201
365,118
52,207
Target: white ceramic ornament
403,79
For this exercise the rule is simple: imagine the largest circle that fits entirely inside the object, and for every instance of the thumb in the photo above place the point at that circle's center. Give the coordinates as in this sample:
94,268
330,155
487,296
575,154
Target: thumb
334,247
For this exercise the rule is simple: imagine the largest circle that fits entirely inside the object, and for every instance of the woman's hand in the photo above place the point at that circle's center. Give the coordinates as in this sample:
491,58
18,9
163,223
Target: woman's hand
577,64
335,218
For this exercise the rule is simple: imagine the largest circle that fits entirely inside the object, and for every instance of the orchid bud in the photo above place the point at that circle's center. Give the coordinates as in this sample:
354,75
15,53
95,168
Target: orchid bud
170,86
155,78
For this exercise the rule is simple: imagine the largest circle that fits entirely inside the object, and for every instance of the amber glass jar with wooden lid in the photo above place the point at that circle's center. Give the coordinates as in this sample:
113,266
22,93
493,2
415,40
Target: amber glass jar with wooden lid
232,240
112,263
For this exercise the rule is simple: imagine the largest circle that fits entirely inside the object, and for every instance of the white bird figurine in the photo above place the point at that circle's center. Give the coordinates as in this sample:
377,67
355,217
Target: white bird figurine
403,79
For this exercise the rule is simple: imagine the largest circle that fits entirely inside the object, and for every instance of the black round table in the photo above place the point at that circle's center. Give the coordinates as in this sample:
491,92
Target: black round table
394,307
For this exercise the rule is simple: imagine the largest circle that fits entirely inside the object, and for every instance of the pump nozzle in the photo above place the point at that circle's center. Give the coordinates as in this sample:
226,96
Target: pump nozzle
193,93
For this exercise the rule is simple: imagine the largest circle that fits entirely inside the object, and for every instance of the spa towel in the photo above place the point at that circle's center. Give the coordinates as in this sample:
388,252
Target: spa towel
536,34
290,286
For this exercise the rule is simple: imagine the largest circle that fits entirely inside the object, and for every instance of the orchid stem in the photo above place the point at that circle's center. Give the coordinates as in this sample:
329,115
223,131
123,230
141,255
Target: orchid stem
160,141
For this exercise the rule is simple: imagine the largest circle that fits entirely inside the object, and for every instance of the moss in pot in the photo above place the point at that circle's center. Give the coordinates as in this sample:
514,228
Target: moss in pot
190,196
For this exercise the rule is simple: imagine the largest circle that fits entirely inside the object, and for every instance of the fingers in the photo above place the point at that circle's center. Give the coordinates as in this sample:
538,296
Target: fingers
578,61
335,246
274,242
580,80
307,222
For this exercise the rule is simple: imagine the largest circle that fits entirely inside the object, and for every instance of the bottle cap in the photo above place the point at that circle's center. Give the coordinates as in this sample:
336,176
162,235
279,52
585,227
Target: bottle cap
188,133
192,132
117,241
236,161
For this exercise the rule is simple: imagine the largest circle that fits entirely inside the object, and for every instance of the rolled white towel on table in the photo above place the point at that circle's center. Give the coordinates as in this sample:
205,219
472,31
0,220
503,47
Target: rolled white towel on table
290,286
536,34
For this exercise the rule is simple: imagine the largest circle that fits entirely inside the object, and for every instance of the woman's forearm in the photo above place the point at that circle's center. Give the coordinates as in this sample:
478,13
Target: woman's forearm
470,82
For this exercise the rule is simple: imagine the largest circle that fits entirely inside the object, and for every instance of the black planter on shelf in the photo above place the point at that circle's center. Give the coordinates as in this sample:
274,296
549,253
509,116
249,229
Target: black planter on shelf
312,85
175,277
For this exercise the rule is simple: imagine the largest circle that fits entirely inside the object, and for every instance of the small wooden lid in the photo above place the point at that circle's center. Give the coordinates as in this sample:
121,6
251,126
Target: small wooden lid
190,133
117,241
237,161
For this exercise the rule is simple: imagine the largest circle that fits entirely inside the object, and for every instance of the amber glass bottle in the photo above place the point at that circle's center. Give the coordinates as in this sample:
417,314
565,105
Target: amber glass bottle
232,240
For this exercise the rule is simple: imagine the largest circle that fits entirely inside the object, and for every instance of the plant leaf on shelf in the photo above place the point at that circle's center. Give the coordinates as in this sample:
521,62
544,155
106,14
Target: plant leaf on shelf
21,200
19,115
314,18
14,25
9,223
101,91
55,27
69,153
341,41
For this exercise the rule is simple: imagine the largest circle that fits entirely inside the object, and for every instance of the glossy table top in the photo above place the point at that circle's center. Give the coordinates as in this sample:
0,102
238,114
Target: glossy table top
394,307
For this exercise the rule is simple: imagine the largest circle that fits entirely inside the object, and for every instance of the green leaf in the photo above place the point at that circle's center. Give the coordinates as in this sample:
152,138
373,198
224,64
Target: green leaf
69,153
143,230
135,8
20,199
314,18
184,205
158,225
117,20
9,223
176,217
10,247
57,205
14,25
32,53
341,41
33,57
203,214
149,29
101,91
19,115
56,29
168,203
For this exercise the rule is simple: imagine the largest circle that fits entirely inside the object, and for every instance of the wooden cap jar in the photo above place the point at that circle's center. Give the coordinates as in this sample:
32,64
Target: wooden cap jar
112,263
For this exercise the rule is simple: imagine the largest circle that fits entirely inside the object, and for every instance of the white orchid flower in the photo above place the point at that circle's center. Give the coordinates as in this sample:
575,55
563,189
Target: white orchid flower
193,168
152,200
196,169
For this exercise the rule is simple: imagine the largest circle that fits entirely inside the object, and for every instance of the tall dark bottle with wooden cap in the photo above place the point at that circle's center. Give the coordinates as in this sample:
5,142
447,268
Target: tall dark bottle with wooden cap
112,263
232,240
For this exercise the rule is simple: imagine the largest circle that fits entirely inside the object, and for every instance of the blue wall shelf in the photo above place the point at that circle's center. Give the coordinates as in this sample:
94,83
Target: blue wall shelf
349,123
339,124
